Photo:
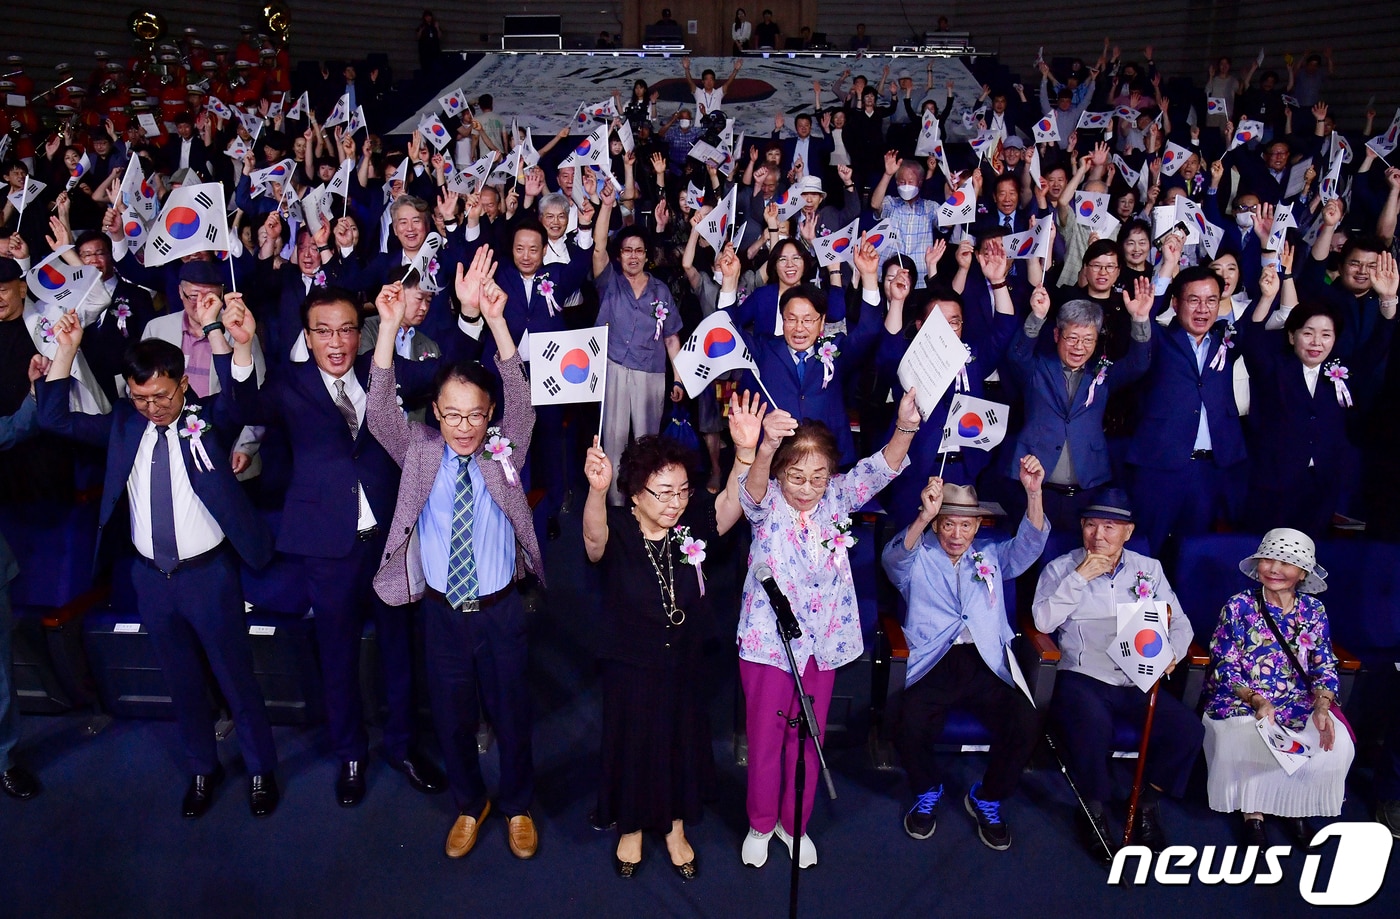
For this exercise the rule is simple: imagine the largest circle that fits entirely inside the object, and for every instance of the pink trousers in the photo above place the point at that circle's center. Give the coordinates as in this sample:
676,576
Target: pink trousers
770,699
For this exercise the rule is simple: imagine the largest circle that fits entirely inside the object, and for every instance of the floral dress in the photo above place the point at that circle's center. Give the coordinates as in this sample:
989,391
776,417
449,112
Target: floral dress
809,556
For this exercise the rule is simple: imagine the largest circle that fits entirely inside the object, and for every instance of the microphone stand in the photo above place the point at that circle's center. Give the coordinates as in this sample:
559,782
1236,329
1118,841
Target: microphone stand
805,720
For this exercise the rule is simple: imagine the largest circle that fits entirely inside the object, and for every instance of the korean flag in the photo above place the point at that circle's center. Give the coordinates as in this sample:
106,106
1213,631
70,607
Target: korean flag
714,348
1141,648
568,366
194,220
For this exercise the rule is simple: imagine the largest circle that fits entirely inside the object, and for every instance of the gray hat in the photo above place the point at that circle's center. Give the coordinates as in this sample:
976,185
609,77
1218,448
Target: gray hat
961,501
1293,548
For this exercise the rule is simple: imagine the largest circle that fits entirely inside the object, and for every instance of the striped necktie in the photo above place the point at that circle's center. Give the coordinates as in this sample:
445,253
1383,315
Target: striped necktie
461,564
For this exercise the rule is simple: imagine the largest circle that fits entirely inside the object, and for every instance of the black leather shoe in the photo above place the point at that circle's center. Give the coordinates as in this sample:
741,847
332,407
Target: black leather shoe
1148,830
201,793
421,774
1254,834
626,870
350,786
18,782
1298,831
263,795
1095,836
551,528
690,870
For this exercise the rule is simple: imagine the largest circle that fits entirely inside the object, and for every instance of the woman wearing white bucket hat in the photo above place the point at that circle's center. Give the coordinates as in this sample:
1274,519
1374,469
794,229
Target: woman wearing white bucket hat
1271,658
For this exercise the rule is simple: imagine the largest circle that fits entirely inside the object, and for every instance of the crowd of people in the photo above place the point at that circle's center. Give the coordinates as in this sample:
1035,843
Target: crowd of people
1214,354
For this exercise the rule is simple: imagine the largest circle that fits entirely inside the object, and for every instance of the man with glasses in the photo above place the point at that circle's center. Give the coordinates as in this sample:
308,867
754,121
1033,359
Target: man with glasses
644,327
118,323
461,538
190,524
1187,457
185,329
338,502
1365,280
1065,399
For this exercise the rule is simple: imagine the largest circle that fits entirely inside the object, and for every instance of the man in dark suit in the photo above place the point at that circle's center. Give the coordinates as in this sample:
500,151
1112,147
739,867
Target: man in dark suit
283,288
185,150
340,496
112,330
1188,455
474,541
190,523
813,150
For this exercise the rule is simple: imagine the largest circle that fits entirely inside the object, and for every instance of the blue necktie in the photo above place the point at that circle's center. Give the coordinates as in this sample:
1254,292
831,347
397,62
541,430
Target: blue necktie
461,565
164,549
801,366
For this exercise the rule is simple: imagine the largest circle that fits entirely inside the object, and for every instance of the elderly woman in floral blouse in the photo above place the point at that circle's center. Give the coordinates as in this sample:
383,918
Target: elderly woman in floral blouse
801,530
1271,657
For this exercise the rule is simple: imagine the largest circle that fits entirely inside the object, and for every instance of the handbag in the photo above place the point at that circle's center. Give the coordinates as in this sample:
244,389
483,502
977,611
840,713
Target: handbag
1336,708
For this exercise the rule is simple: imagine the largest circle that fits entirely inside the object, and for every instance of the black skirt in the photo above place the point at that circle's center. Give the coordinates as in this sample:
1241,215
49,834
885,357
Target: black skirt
657,753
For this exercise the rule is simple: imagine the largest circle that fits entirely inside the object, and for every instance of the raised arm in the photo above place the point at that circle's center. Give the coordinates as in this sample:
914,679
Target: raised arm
600,229
597,468
745,425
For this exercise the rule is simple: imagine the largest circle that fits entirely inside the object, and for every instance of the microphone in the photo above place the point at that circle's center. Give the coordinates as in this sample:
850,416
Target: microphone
787,622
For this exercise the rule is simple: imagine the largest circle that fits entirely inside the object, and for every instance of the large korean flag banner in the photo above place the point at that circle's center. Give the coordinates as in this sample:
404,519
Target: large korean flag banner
568,366
1141,648
194,220
714,348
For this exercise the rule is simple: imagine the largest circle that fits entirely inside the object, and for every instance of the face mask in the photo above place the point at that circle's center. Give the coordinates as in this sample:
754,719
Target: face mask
1244,220
908,192
684,123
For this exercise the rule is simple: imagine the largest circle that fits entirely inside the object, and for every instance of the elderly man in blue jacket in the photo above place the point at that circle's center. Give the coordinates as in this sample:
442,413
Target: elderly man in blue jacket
1066,392
954,586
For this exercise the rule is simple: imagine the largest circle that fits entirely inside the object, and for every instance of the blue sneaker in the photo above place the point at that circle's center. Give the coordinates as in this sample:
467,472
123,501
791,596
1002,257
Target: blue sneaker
991,828
920,822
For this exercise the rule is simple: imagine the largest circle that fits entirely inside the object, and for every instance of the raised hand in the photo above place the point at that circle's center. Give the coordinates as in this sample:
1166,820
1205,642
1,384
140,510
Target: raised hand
909,417
597,468
391,306
493,301
208,309
891,162
1332,213
1264,221
68,333
1139,305
934,254
993,262
38,367
931,498
777,425
867,261
1268,283
1385,280
469,280
729,267
1040,302
1032,474
746,420
239,324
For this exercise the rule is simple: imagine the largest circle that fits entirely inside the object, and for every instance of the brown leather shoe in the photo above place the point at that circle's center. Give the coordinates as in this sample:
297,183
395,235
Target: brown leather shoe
462,836
523,838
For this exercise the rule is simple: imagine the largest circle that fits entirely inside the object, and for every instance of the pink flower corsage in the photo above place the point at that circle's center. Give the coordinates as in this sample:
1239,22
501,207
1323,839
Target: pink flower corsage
1143,588
827,352
1227,341
547,291
1338,374
46,330
694,551
318,279
660,311
1100,374
983,572
123,311
499,448
193,427
842,538
433,266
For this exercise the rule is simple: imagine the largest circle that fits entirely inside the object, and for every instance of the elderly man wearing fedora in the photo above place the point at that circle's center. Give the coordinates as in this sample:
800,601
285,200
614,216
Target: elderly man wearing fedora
958,636
1078,598
1271,658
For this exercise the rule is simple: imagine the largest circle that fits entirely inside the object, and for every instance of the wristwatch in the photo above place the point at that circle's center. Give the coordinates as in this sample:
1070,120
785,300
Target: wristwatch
216,325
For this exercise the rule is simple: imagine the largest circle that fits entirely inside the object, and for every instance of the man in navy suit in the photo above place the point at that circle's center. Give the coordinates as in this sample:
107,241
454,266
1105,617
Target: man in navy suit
190,523
112,330
1188,455
813,150
338,507
283,288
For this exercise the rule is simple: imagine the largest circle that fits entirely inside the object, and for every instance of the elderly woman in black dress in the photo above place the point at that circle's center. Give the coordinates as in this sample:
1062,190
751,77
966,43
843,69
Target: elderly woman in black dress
657,761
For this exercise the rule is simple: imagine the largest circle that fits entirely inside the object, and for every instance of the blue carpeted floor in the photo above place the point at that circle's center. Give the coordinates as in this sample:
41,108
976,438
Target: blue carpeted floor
106,839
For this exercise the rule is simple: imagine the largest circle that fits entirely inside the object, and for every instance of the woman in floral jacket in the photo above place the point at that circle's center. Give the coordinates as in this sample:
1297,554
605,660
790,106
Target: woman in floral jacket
1271,659
802,533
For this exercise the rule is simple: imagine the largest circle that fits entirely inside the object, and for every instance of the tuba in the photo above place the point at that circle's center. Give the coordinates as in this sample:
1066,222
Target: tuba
146,25
277,22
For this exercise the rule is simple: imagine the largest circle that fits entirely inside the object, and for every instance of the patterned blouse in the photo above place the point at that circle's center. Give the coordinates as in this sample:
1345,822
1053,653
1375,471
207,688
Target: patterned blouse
1245,652
811,567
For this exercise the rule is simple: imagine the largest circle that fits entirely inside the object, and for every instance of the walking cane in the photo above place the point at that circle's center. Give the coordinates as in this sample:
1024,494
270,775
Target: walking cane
1142,753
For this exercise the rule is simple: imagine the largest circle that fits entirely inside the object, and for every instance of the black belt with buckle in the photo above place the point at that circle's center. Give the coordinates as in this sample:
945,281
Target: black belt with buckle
369,533
1069,491
470,606
194,561
1203,454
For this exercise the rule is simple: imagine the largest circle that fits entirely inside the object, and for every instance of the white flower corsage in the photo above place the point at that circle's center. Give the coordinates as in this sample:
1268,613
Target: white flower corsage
123,312
499,448
694,551
660,311
193,427
982,572
827,352
1143,588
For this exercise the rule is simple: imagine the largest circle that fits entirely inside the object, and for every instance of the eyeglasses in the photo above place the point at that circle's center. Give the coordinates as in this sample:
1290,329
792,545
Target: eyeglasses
955,324
1366,266
1075,341
797,480
808,322
1201,301
1103,267
671,497
633,250
455,419
1246,208
160,400
324,334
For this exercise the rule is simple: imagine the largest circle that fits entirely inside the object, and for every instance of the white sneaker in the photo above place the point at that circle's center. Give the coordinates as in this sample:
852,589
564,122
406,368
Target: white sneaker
755,851
809,851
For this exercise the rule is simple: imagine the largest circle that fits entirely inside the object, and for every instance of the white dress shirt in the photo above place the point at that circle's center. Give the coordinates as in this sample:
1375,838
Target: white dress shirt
196,530
357,396
185,146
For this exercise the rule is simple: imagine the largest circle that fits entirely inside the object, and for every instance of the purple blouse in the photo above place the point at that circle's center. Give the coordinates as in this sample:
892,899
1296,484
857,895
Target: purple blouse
1245,652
